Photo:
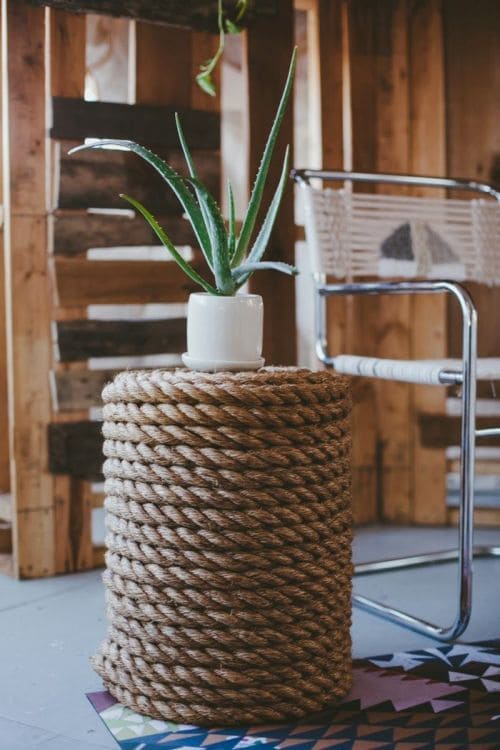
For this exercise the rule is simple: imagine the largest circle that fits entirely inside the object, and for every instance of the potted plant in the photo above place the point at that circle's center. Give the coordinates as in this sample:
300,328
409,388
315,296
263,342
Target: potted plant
224,329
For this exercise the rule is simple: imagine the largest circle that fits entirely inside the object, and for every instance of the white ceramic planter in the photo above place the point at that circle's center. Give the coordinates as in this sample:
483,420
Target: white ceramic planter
224,333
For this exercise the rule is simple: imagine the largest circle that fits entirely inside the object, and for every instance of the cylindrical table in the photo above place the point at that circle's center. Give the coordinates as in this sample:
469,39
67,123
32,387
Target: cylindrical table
228,517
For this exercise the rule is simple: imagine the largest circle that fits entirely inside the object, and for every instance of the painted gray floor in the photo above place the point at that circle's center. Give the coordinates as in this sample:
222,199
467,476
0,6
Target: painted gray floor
49,628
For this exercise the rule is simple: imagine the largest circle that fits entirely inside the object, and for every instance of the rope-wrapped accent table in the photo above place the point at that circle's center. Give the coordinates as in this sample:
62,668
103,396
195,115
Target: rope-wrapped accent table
228,516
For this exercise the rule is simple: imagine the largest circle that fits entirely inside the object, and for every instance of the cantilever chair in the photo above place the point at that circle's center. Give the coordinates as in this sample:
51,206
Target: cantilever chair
423,241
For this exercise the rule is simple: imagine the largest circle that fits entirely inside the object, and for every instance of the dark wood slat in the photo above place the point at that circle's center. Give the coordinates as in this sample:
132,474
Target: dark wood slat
81,282
75,119
75,448
195,14
75,232
441,431
80,339
79,389
95,179
5,537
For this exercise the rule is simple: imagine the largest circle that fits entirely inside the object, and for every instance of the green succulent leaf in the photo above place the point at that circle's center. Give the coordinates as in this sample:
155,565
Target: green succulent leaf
231,241
260,180
218,238
192,171
165,240
205,82
173,180
260,244
243,272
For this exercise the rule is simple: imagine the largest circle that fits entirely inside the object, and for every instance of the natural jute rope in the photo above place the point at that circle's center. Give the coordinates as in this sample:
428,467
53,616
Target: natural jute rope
229,570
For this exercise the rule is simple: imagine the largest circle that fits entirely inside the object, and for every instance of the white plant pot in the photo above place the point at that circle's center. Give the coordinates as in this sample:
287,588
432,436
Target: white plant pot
224,333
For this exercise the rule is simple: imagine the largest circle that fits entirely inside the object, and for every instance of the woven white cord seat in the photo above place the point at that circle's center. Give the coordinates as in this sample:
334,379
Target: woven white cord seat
423,371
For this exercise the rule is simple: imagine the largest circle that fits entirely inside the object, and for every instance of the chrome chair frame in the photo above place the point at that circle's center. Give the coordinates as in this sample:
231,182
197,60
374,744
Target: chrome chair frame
466,378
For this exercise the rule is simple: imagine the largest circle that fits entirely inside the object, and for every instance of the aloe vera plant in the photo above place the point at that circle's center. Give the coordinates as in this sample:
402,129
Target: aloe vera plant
230,255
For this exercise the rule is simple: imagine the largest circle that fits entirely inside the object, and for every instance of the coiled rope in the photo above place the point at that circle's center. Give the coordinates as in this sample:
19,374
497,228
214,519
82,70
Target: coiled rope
228,579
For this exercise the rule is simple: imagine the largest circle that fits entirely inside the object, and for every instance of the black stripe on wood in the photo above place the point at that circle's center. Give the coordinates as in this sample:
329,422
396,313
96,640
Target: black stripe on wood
80,339
195,14
78,231
95,179
75,448
441,431
77,119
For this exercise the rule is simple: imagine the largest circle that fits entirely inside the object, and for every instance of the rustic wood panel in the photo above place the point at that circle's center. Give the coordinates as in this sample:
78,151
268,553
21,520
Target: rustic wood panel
277,290
28,300
472,48
196,14
79,389
77,119
161,48
75,232
428,312
485,517
4,401
75,449
95,179
91,282
80,339
74,512
5,538
439,431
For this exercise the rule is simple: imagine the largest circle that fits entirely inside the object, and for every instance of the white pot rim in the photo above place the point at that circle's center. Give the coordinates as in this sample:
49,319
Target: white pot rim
232,297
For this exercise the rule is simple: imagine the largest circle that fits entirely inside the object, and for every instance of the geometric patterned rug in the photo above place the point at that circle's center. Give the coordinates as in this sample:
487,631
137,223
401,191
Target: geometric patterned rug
444,697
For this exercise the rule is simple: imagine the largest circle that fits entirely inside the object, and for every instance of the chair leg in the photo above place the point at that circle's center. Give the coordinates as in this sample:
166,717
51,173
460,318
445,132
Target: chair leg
465,552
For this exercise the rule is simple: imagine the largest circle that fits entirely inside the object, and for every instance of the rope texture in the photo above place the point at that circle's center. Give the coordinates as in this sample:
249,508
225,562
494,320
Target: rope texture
228,580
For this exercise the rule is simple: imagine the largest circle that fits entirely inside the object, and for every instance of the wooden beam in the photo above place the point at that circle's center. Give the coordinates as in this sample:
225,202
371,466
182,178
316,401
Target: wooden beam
77,231
75,449
77,119
429,312
440,431
5,538
277,289
80,339
4,401
95,179
82,282
27,291
195,14
76,390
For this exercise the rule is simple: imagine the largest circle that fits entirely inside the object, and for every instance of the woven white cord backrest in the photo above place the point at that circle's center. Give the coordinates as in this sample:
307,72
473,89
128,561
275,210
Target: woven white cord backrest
356,234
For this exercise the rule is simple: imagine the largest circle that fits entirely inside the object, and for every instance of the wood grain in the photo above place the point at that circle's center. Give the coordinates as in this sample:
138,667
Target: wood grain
196,14
75,450
90,282
79,389
77,231
80,339
95,179
277,290
28,292
439,431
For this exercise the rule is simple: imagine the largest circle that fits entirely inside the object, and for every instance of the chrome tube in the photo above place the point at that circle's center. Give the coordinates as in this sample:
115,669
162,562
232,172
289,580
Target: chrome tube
465,550
448,183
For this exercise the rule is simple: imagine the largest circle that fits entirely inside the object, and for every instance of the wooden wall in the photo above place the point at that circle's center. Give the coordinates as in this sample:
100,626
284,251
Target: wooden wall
407,86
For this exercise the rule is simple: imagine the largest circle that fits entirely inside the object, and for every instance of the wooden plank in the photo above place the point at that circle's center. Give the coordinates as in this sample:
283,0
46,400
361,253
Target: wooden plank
161,48
196,14
5,538
77,119
95,179
74,514
91,282
429,312
79,389
473,137
68,45
75,232
277,290
98,560
75,449
439,431
81,339
4,402
485,517
28,298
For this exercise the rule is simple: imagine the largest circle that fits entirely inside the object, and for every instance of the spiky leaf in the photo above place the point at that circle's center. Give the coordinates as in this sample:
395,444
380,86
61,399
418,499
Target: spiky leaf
260,180
243,272
231,241
165,240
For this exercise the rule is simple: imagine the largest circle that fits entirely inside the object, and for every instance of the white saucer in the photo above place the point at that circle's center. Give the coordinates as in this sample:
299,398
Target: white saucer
206,365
